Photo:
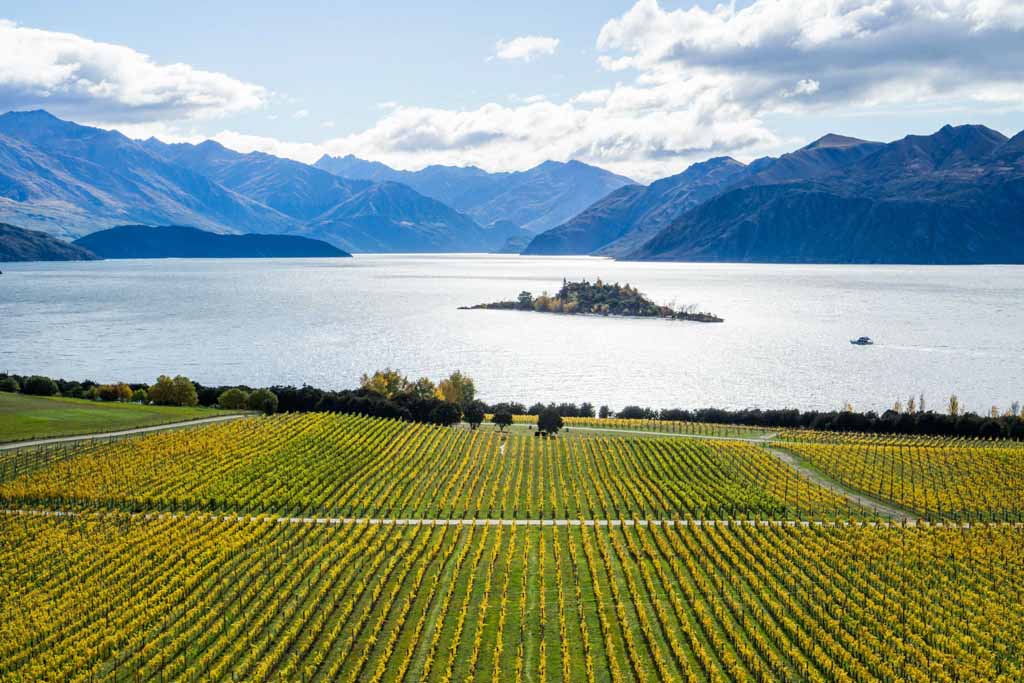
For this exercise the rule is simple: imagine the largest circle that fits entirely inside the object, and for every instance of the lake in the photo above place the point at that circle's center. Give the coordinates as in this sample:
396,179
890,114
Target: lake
785,342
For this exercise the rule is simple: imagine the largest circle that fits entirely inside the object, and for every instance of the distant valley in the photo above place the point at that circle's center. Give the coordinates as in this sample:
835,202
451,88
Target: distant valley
536,199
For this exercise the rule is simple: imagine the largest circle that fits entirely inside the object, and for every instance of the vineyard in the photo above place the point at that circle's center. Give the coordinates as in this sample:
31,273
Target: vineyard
124,598
320,547
937,479
326,465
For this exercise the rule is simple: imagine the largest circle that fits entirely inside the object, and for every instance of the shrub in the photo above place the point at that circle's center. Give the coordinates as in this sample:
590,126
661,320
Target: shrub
10,385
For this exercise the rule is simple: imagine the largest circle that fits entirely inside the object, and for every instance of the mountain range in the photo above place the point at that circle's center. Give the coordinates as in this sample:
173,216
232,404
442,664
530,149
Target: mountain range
956,196
69,180
536,199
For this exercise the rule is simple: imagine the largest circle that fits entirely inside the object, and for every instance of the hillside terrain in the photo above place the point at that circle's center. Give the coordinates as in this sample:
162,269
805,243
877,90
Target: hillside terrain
954,197
141,241
623,221
17,244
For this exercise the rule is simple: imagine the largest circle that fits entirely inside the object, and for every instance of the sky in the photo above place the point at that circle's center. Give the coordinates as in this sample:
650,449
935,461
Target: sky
640,87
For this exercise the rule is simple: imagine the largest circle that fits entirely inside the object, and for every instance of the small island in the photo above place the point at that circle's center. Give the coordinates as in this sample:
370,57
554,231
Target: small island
598,298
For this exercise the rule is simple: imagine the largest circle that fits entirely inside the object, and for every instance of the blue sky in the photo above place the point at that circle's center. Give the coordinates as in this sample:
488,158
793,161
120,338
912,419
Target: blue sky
639,87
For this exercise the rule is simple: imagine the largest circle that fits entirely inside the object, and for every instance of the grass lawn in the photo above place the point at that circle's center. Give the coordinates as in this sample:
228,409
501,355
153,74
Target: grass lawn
32,417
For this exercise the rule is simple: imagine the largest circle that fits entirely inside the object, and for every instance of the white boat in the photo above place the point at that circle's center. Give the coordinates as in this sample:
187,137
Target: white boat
862,341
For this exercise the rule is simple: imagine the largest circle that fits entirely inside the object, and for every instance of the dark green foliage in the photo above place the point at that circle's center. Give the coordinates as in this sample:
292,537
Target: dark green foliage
263,400
445,414
502,418
598,298
37,385
474,413
233,399
549,421
10,385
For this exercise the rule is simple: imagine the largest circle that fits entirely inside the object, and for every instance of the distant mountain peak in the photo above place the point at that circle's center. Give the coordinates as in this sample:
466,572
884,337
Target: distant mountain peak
835,140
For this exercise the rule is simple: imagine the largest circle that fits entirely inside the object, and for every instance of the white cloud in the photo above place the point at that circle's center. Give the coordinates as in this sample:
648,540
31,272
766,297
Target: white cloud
867,52
805,86
692,84
301,114
525,48
81,78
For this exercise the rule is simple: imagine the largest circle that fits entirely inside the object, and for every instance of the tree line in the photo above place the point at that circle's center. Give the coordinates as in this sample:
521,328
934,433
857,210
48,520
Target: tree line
390,394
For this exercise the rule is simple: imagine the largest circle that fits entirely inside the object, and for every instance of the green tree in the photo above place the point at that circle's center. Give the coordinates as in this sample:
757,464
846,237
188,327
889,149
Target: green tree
549,421
502,418
139,396
162,392
423,389
604,413
263,400
474,414
525,301
458,389
387,382
38,385
233,399
10,385
445,414
184,392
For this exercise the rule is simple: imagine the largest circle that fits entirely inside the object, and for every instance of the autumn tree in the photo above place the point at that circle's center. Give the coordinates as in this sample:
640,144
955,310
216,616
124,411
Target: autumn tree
458,389
173,392
954,405
423,389
185,392
387,382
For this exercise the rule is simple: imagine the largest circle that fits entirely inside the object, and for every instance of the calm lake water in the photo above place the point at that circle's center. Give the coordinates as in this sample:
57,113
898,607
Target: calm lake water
326,321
